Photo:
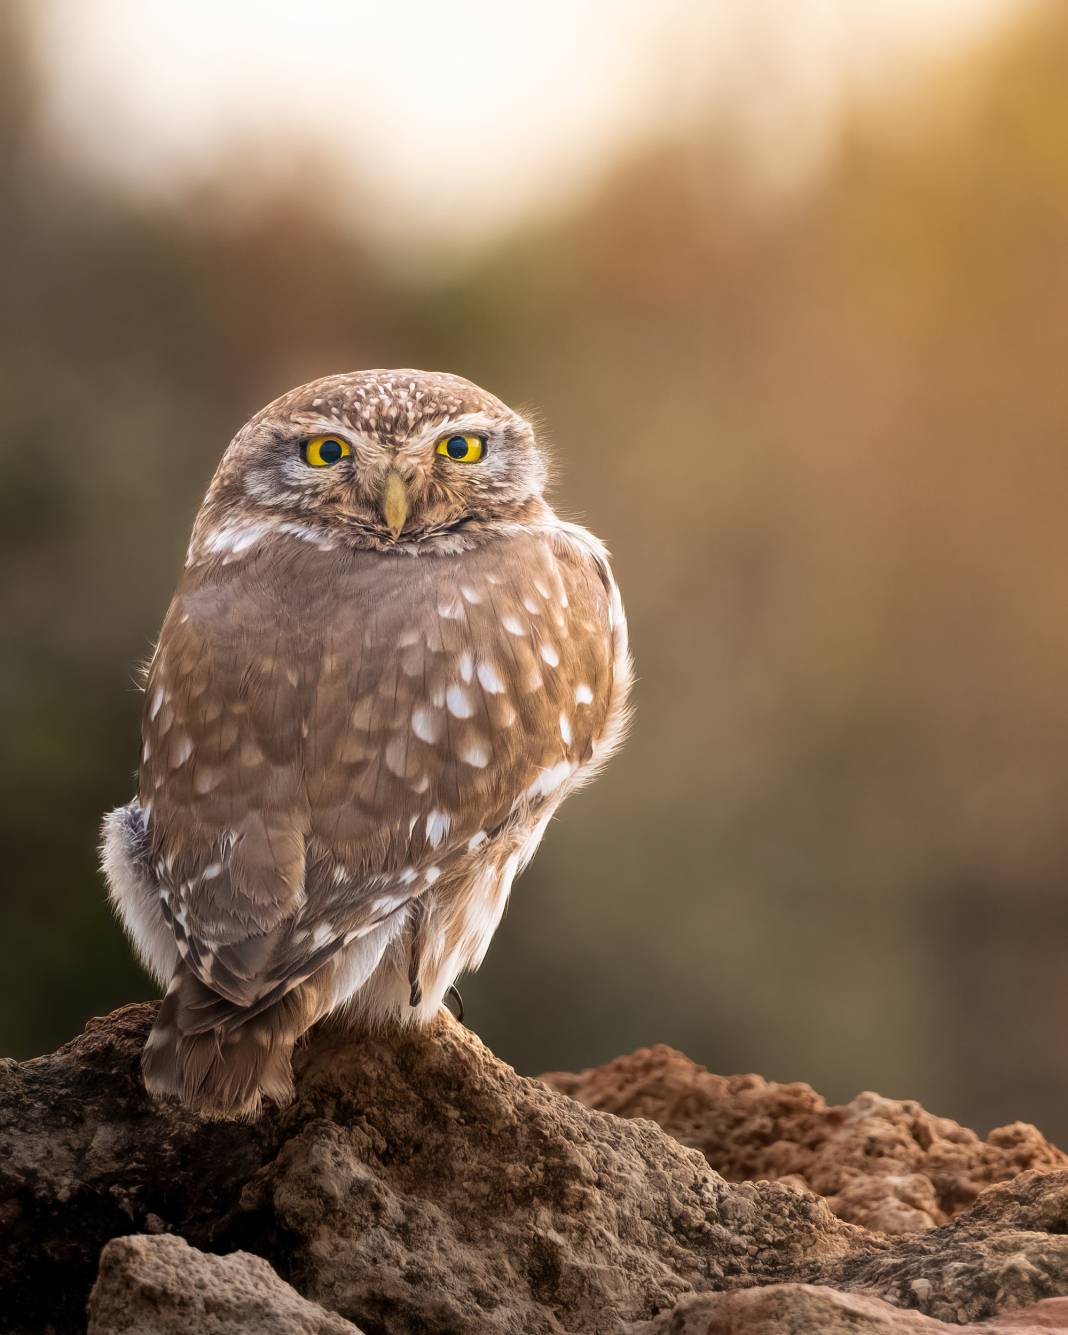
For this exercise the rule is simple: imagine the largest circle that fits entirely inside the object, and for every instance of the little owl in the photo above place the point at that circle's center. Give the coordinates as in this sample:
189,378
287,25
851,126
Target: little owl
386,664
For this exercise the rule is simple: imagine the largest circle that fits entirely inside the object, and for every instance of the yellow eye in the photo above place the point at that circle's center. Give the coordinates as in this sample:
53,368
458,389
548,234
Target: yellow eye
464,449
322,451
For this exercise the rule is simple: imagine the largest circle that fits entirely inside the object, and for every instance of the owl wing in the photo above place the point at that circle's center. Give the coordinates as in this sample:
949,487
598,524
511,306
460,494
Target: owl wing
221,777
325,738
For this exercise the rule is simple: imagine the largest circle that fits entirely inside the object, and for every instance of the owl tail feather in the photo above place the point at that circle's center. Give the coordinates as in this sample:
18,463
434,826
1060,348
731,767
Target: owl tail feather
228,1070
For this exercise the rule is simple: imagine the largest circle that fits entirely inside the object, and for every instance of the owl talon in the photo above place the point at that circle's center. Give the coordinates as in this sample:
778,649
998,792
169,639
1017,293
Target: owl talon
454,992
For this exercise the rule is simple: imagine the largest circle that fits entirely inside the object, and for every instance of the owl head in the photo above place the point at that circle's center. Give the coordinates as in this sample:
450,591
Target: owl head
385,459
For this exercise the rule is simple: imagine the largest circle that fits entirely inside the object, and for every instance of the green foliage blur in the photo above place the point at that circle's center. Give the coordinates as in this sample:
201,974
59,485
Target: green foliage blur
826,439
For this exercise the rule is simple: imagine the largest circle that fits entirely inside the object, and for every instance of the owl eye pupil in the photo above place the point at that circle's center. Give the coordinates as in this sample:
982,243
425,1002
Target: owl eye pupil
330,451
456,446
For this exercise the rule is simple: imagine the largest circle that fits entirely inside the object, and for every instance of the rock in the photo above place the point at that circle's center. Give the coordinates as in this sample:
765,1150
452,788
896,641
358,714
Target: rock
883,1163
427,1186
85,1156
417,1184
1008,1251
809,1309
162,1286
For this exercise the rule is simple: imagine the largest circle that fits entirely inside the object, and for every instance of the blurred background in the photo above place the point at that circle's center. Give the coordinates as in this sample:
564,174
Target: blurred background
787,281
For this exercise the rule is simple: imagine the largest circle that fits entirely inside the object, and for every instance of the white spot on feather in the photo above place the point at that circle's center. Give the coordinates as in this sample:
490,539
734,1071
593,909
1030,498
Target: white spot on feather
583,694
549,654
476,754
459,702
513,625
437,827
387,903
397,756
426,724
490,681
565,729
181,750
549,780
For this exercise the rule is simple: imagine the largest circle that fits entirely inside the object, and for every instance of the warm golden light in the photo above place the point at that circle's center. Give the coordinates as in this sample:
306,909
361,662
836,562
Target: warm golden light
426,109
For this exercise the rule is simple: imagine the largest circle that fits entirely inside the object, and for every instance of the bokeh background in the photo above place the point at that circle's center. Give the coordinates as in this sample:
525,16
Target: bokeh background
787,281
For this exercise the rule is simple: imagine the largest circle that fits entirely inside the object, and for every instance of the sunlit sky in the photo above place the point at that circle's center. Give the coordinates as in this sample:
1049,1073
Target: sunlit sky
448,122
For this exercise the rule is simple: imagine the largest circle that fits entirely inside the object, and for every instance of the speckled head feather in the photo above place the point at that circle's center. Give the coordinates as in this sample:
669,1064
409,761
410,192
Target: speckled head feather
392,420
349,754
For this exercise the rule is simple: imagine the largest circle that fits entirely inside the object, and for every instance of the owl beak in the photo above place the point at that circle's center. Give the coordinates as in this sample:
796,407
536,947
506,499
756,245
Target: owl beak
395,503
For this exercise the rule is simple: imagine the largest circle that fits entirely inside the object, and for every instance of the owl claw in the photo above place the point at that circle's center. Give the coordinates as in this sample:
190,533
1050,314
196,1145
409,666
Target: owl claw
454,992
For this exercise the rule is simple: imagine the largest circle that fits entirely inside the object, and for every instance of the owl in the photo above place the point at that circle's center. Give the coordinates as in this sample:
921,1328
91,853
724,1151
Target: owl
386,664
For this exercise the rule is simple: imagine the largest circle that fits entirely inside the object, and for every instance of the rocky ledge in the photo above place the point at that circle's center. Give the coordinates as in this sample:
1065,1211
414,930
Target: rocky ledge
419,1185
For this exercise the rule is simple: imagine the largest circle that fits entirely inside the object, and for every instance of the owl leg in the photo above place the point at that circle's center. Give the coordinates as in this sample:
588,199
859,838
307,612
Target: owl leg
419,919
413,975
133,891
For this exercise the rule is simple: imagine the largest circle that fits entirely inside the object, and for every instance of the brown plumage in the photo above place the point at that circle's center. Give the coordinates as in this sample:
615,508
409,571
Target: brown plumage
377,680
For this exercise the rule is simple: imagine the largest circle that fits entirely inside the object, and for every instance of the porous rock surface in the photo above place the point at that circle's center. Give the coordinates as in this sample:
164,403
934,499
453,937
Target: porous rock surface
884,1163
162,1286
810,1309
419,1185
